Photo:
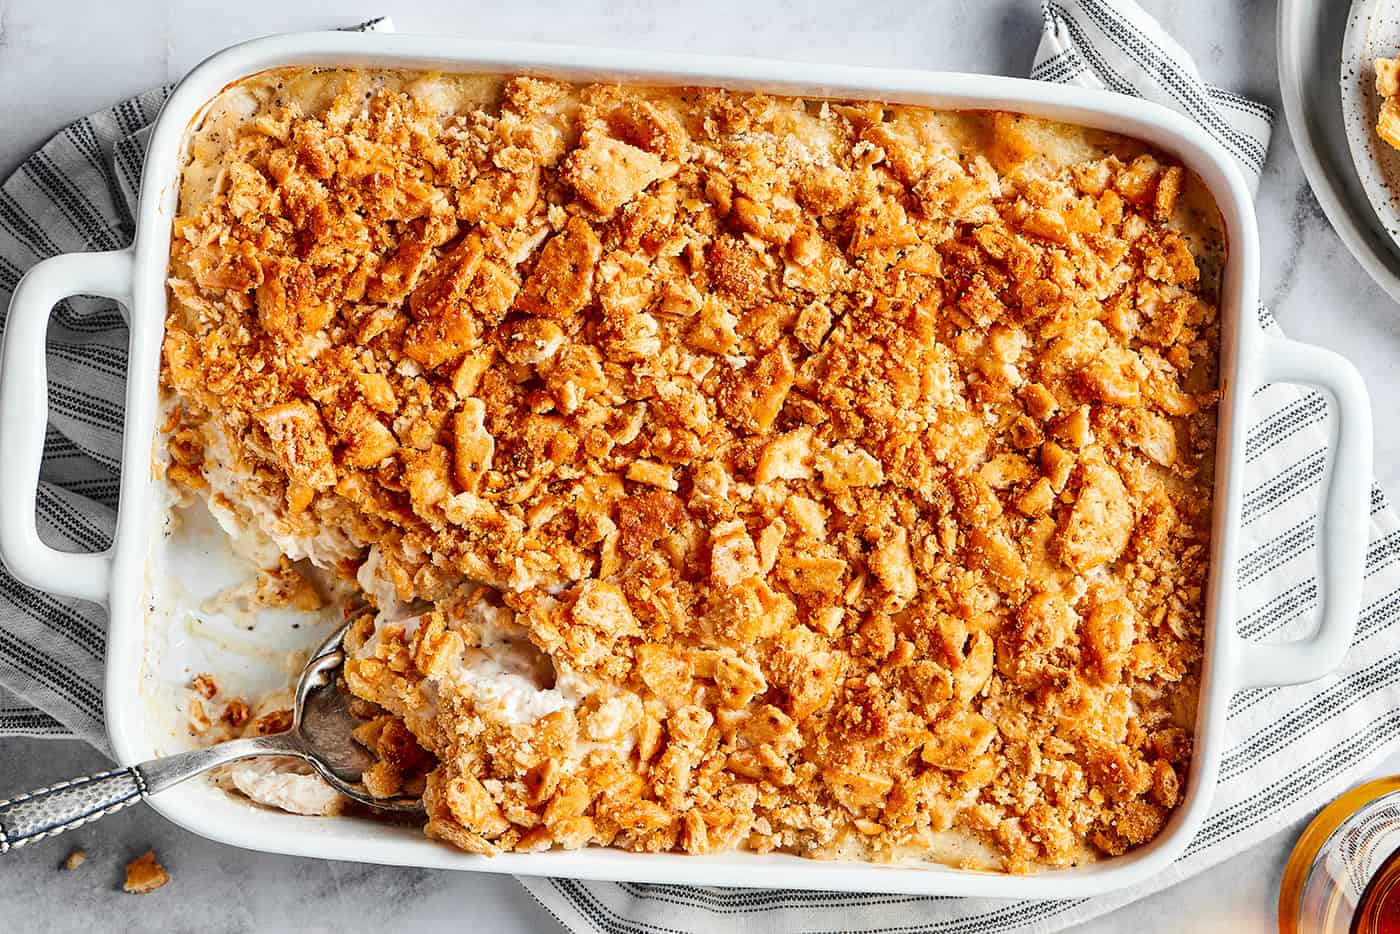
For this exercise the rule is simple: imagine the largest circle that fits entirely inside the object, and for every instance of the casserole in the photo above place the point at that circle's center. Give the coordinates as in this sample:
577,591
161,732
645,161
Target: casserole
136,277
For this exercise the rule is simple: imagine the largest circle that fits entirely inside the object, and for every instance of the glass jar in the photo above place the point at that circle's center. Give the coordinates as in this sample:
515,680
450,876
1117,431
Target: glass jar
1344,873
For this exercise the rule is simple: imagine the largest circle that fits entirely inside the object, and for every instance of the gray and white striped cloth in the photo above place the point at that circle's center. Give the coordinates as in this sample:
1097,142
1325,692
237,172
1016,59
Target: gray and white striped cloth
1288,749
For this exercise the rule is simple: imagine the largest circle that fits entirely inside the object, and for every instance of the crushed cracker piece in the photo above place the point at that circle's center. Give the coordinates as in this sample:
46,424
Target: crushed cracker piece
145,874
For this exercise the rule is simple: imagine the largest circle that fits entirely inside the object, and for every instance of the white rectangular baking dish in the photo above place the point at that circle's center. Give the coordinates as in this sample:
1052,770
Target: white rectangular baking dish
136,278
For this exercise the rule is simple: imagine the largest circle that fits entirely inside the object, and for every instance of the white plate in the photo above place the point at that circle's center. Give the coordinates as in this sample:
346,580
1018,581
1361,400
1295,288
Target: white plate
1373,31
1310,43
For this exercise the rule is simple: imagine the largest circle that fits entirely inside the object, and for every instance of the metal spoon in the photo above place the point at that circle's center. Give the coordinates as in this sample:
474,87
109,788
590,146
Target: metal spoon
320,735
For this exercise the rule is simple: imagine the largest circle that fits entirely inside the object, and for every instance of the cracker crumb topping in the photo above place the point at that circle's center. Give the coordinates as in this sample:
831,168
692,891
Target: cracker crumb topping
824,477
1388,87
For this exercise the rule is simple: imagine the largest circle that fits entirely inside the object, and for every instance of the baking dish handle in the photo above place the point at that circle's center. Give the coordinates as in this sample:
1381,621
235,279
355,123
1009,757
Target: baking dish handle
24,409
1345,518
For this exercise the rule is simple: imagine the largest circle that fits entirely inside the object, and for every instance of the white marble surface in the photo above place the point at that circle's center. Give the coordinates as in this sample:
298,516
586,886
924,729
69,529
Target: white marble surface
63,58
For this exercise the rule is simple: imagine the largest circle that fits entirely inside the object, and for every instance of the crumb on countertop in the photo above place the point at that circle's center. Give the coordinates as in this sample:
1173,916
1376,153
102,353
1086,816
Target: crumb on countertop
75,859
144,874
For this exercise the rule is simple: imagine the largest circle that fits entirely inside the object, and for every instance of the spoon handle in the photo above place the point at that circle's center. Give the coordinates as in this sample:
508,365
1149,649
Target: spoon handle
65,805
49,811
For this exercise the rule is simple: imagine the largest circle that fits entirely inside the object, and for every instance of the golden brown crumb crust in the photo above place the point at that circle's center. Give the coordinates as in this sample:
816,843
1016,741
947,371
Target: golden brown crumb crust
858,457
1388,87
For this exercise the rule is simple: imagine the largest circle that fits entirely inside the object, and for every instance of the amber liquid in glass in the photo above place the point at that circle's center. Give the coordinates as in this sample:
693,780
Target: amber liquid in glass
1343,876
1378,912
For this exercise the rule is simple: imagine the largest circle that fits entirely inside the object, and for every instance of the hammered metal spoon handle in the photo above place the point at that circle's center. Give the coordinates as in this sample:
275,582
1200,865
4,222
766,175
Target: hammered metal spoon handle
52,810
49,811
321,734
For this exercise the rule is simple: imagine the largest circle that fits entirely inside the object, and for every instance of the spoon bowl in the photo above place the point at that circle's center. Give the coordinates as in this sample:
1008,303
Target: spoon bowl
323,722
321,735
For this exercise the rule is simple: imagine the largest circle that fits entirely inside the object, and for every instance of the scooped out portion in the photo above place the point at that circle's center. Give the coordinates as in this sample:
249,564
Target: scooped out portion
727,471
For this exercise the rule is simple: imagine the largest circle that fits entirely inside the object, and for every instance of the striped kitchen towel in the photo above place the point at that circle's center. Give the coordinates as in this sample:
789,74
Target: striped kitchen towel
1289,749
